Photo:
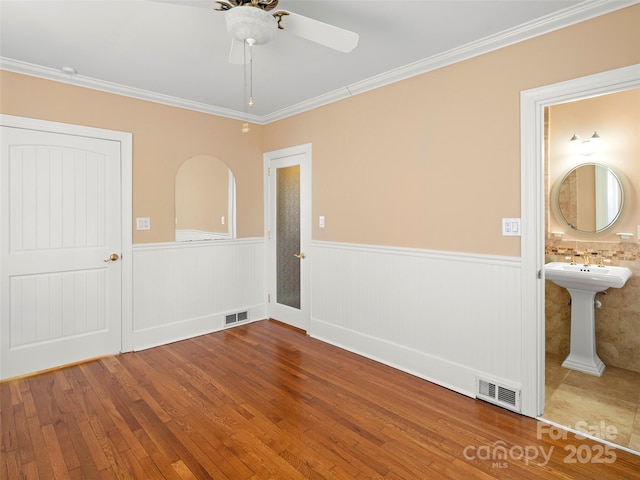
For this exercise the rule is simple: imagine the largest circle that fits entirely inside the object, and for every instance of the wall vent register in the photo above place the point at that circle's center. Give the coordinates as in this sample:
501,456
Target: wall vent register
236,317
498,394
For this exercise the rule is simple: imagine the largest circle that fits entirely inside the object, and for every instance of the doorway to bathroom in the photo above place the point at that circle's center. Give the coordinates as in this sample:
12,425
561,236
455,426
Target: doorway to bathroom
608,407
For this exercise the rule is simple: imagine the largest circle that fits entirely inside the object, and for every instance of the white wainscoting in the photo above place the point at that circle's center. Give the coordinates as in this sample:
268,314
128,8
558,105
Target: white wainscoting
181,290
446,317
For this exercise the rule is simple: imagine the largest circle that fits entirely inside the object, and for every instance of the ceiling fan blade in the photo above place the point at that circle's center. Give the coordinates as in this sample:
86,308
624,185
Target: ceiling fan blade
236,54
191,3
319,32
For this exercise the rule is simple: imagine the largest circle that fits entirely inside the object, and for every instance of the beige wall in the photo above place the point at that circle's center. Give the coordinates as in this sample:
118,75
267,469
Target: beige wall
430,162
434,161
202,195
163,138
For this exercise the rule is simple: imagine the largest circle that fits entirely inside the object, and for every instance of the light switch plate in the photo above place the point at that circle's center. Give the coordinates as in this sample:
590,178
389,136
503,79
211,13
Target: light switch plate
511,227
143,223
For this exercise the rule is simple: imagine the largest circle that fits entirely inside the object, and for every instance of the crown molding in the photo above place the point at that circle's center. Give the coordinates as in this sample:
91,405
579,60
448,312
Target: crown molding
109,87
561,19
575,14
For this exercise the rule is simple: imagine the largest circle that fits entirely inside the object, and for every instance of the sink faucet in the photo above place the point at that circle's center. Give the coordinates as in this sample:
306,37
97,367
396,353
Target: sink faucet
587,260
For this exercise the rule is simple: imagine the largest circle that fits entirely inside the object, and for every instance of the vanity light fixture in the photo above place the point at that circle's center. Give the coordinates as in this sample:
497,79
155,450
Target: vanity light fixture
586,147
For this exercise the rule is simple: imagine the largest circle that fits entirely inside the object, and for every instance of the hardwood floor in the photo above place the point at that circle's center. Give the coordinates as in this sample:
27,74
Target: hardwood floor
262,401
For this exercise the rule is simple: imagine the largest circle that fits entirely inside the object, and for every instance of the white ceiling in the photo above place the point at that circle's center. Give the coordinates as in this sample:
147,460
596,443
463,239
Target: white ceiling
178,54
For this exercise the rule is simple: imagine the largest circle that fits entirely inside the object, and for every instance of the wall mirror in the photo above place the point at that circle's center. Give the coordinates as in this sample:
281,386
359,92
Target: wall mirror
589,198
205,199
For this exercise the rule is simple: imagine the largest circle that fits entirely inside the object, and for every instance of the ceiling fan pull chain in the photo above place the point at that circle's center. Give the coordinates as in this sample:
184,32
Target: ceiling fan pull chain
248,69
250,43
244,69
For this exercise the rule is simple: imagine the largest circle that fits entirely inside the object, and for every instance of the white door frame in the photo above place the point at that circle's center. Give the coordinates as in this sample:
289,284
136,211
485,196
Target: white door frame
532,105
126,157
305,227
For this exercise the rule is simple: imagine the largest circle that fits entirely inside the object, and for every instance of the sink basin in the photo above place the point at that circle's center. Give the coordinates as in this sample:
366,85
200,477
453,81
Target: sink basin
583,282
586,277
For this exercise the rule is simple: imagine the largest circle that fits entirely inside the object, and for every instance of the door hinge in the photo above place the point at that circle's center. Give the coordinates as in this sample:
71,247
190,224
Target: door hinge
269,172
268,298
268,234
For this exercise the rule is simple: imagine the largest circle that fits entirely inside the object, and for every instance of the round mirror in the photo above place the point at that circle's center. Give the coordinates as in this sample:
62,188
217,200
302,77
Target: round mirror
205,196
589,198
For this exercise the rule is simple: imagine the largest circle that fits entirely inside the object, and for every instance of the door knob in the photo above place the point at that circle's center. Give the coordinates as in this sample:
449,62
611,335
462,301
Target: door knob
112,258
299,255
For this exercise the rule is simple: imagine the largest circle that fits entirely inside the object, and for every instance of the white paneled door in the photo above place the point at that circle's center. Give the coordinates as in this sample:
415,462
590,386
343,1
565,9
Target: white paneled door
61,249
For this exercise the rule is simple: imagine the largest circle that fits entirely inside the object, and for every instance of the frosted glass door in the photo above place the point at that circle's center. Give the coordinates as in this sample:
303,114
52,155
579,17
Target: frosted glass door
288,232
288,236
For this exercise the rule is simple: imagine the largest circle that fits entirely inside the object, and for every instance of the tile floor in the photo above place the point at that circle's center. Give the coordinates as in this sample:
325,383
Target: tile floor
607,407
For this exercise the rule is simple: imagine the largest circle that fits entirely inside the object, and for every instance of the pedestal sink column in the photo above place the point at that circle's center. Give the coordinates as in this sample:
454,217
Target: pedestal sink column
582,354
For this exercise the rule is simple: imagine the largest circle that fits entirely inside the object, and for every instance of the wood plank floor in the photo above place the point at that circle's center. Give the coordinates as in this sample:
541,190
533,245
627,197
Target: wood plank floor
263,401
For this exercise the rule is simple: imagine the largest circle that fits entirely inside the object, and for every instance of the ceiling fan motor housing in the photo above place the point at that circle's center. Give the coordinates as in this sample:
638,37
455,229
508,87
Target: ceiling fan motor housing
248,22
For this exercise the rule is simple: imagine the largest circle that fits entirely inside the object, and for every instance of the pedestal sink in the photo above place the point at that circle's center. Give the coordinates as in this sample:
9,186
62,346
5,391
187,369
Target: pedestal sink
583,282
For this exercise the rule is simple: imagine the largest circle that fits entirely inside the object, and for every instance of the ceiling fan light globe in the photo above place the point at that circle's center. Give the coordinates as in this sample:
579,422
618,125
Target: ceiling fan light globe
251,23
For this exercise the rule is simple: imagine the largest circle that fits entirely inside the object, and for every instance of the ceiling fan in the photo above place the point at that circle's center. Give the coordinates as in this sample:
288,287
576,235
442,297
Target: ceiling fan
254,22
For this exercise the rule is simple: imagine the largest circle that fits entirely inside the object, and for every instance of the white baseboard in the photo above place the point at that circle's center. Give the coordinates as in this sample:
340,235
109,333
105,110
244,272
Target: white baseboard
442,372
191,327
